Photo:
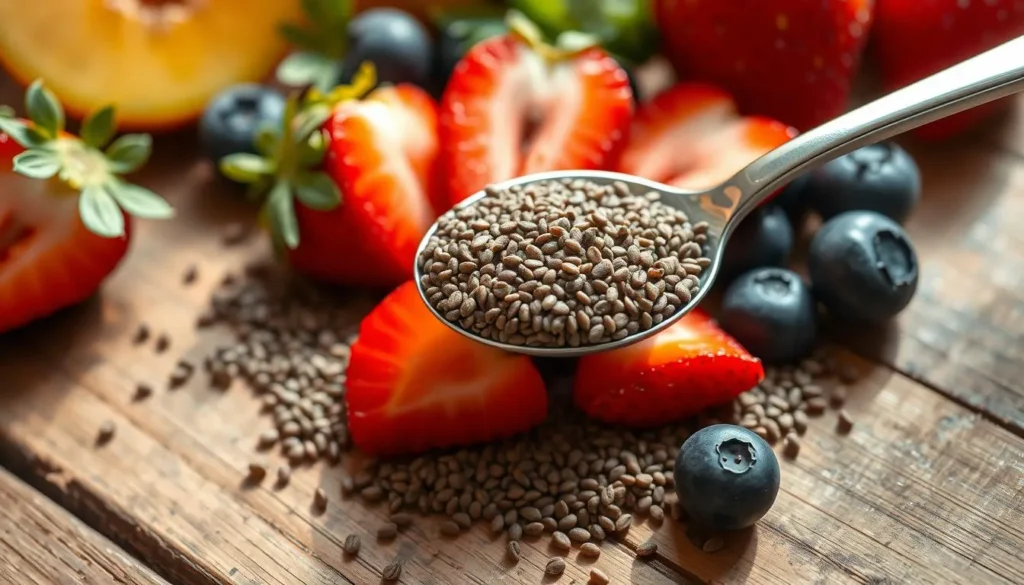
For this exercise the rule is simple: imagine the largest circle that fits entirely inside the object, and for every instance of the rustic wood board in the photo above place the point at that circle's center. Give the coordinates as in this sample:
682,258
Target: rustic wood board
924,490
43,544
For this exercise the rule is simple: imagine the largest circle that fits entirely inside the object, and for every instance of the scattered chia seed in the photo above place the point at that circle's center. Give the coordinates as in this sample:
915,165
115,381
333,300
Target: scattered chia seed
844,424
563,264
142,391
589,549
392,572
514,551
163,342
791,446
387,531
190,275
647,549
555,566
598,577
713,544
284,475
141,334
234,233
320,499
257,471
180,374
105,433
352,544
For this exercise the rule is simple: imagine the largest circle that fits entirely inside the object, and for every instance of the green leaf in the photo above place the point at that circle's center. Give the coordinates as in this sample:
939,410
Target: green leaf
44,110
328,12
21,132
245,168
310,120
298,36
139,201
281,207
100,212
37,163
99,127
6,112
312,151
129,152
318,191
266,139
307,68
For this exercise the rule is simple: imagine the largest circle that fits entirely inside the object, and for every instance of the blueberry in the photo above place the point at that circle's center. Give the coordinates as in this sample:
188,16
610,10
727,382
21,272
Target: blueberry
863,267
772,313
881,178
396,43
727,477
764,238
233,117
456,38
792,199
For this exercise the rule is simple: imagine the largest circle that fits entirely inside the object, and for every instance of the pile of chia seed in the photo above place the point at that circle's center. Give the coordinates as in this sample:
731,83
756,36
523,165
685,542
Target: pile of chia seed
564,263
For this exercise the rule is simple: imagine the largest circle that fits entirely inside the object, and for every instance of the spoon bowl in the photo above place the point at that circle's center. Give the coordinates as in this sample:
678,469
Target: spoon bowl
989,76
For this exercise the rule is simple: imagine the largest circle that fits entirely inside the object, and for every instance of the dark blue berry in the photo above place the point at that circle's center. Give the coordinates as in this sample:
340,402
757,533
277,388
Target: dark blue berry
727,478
881,178
456,38
772,313
234,116
397,44
792,199
764,238
863,267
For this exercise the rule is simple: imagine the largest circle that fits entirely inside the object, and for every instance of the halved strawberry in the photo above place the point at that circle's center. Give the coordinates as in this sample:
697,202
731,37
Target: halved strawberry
382,157
63,221
514,107
677,373
414,384
690,136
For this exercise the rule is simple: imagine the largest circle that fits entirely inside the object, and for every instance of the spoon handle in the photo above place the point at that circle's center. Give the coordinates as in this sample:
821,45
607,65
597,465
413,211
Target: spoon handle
991,75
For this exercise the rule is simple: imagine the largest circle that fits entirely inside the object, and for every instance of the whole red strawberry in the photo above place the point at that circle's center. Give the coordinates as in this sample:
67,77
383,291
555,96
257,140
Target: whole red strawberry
350,181
516,106
913,39
65,211
791,60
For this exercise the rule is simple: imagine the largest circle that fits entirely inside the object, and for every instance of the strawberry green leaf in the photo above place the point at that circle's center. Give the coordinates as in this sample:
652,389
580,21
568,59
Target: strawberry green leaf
282,214
139,201
44,110
6,112
298,36
311,152
129,152
245,168
266,140
304,68
98,128
21,132
37,163
100,213
318,191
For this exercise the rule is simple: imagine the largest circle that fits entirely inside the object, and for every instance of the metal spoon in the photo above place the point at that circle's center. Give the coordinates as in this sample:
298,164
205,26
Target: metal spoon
989,76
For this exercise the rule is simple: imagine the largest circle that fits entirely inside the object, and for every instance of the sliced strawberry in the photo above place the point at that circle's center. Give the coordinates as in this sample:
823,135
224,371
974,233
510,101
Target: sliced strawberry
383,157
578,108
48,259
913,39
675,374
690,136
414,384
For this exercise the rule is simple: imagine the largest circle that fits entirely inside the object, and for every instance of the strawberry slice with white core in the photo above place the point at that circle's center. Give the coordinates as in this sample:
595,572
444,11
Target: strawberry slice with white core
514,106
414,384
692,137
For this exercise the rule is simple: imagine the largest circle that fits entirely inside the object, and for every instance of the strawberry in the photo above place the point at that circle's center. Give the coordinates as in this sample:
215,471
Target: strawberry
63,214
677,373
690,136
376,156
414,384
577,104
792,60
912,39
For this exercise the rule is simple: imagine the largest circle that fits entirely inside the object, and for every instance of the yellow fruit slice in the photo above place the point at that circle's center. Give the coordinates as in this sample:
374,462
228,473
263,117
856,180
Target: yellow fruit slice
158,61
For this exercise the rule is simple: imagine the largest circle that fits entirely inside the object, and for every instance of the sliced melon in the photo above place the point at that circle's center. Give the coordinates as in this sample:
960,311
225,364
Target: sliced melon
158,61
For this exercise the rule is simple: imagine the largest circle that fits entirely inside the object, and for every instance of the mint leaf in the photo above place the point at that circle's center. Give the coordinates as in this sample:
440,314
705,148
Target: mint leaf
100,213
281,207
129,152
140,202
37,163
98,128
317,191
245,168
44,110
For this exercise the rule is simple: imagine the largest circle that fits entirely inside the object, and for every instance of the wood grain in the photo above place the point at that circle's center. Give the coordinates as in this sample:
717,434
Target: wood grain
42,544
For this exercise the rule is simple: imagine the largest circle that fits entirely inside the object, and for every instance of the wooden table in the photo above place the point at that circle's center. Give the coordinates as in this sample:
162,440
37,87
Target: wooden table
928,488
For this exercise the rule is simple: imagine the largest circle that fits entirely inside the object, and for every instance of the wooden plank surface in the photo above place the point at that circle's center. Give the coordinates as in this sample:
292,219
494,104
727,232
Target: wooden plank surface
924,490
42,544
